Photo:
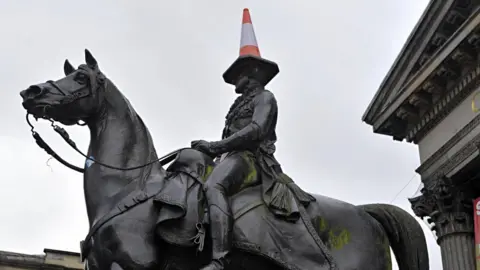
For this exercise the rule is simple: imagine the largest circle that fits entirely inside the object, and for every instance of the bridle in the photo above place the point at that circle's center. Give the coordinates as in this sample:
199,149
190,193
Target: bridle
70,98
66,137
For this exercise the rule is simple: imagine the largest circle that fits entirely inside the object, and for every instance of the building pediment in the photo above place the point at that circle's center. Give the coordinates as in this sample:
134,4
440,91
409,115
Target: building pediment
438,23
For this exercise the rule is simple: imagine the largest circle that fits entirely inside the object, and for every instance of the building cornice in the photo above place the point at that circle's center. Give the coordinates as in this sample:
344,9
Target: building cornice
416,42
434,64
466,85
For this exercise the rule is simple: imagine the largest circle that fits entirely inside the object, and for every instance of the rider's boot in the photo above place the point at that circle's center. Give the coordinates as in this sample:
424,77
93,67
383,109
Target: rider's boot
221,223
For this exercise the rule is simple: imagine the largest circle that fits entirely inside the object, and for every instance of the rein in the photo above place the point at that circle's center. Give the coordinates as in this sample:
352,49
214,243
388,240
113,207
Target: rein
66,137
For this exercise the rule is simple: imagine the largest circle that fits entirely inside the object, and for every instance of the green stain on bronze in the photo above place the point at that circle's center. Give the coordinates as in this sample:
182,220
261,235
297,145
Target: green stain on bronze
385,244
337,238
251,177
322,224
208,171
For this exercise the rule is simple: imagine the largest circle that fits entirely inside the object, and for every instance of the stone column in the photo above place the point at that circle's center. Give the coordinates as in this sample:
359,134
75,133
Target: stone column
450,210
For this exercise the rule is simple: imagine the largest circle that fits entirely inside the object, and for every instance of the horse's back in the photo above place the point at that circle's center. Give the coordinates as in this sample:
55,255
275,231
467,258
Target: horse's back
354,237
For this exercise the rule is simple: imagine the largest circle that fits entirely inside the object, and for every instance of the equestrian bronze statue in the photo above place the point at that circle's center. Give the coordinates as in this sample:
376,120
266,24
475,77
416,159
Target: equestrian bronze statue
218,205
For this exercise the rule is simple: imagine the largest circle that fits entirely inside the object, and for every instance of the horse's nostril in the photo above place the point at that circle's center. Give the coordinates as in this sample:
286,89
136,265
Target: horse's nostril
35,90
32,92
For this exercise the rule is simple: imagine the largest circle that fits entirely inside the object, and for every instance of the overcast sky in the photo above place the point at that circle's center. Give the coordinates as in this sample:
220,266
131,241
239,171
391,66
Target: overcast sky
168,57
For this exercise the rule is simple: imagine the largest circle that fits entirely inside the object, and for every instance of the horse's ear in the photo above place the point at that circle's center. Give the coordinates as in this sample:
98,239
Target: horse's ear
68,68
89,59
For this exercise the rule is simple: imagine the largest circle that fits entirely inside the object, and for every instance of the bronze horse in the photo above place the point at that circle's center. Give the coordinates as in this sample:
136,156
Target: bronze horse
143,216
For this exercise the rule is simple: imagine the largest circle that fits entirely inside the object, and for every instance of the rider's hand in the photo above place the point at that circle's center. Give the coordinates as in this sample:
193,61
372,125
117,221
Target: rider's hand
204,147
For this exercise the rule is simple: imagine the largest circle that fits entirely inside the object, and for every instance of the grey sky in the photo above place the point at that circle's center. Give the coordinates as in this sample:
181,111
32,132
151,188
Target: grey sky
332,56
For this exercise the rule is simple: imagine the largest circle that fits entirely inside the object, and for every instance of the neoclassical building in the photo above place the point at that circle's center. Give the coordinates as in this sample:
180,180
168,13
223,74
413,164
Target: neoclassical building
50,260
426,99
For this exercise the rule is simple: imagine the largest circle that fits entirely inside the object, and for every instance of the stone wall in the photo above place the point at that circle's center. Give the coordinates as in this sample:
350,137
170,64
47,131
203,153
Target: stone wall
51,259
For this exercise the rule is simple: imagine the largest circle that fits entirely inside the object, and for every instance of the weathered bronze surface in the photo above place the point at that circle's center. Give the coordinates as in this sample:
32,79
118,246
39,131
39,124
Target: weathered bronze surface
143,216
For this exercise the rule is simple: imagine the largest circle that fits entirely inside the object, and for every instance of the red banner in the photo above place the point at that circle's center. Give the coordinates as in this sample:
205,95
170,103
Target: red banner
476,220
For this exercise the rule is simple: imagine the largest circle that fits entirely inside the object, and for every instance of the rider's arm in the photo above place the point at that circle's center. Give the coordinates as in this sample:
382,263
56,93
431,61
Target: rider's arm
265,108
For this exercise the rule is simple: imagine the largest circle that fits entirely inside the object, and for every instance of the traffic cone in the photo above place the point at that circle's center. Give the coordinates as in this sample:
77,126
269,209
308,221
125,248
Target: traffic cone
249,57
248,40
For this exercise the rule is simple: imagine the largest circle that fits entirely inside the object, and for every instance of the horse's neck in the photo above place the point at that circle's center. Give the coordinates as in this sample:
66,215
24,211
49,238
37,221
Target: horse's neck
118,138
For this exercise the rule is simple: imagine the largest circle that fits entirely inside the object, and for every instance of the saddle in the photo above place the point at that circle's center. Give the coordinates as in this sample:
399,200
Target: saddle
184,199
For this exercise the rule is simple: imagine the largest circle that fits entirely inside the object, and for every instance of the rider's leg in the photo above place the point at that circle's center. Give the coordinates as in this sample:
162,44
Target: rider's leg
226,179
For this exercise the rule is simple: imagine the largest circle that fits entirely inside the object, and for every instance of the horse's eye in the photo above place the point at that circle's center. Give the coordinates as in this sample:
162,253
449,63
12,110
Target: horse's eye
81,78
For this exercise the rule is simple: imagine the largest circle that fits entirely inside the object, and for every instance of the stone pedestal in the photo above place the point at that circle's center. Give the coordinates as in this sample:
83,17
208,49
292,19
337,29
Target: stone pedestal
450,211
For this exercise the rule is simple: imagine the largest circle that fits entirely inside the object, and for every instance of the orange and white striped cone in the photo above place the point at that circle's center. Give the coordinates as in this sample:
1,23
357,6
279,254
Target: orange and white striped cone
248,40
249,56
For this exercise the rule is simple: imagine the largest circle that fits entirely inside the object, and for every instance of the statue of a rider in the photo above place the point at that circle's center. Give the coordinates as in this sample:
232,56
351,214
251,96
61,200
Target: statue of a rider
248,138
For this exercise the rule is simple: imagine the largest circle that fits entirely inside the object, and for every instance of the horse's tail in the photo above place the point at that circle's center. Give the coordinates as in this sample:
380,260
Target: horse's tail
404,233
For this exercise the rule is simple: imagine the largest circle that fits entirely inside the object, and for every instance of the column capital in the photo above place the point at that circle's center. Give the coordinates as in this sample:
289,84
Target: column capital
448,206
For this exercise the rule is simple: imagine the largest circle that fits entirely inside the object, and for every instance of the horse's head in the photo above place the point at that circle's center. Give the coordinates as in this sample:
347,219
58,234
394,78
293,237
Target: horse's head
76,97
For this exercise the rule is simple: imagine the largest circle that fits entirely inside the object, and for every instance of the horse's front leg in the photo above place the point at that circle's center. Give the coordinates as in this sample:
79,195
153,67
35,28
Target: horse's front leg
127,241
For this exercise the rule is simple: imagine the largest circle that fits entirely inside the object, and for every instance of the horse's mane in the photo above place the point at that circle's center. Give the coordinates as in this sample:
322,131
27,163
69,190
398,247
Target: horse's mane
115,99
